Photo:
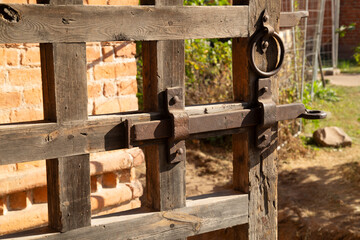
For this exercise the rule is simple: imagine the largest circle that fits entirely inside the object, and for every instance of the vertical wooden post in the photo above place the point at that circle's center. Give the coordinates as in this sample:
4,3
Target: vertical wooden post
163,67
255,169
65,100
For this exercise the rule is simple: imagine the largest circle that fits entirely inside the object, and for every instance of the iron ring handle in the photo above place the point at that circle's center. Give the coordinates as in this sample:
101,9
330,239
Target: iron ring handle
253,42
313,114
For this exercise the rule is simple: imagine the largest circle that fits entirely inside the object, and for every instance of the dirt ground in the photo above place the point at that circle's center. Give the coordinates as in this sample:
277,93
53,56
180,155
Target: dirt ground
345,79
318,190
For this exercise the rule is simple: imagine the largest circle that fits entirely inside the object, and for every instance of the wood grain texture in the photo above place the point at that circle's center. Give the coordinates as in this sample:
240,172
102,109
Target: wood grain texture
291,19
65,100
164,66
202,214
48,23
33,141
255,170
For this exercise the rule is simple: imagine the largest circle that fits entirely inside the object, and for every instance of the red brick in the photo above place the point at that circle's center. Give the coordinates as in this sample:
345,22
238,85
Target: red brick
24,115
21,77
132,174
94,90
93,53
40,195
109,161
22,180
14,1
10,99
12,56
3,207
123,2
33,96
4,117
111,106
125,49
108,53
104,71
7,168
126,69
109,180
137,188
18,200
2,57
96,2
93,183
16,221
125,176
31,57
33,164
2,76
129,103
127,87
110,197
138,156
109,89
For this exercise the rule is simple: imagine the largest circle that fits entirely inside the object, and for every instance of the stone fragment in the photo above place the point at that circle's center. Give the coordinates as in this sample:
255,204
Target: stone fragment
332,137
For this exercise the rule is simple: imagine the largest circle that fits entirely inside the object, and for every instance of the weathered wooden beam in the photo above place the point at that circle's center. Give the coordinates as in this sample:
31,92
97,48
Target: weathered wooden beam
34,141
163,67
64,79
45,24
255,170
291,19
202,214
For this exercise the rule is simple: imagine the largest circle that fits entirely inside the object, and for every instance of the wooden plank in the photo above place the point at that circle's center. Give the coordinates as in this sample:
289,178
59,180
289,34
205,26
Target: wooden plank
64,80
45,24
255,170
34,141
164,66
291,19
202,214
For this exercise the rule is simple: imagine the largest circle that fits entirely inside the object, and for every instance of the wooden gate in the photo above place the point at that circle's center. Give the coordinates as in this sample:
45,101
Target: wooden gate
67,135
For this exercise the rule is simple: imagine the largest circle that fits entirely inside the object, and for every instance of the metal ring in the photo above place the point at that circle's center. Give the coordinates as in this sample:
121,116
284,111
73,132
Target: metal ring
313,114
252,60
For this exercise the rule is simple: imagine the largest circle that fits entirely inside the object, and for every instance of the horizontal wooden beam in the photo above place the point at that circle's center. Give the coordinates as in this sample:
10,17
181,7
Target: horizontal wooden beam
36,141
29,142
51,24
291,19
202,214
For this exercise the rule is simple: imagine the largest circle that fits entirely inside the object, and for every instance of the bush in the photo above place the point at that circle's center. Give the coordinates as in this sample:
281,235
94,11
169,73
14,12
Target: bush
320,93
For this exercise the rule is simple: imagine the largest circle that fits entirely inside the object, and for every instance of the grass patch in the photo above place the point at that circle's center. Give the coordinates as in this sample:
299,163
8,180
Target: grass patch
349,66
344,113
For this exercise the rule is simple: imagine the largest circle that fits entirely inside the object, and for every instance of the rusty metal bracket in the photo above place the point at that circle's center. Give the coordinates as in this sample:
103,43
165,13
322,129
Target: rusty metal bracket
268,113
175,103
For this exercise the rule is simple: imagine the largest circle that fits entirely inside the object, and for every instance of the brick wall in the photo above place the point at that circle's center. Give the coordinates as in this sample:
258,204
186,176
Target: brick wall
349,13
112,87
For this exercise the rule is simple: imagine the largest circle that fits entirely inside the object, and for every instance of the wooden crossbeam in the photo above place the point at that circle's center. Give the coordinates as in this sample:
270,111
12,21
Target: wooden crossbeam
45,24
291,19
202,214
34,141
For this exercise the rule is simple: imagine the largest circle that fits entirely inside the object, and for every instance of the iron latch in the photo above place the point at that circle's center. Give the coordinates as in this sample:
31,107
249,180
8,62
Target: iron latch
175,103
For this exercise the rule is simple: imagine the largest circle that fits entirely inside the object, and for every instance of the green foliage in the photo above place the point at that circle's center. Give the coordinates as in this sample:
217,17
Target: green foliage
139,79
320,93
208,67
206,2
357,55
347,66
343,113
345,28
208,70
